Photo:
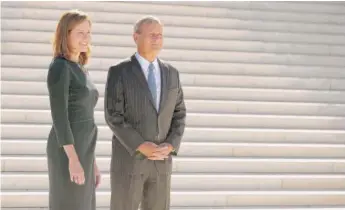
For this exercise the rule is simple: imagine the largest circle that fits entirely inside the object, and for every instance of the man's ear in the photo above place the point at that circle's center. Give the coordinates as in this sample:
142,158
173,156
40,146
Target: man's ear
135,37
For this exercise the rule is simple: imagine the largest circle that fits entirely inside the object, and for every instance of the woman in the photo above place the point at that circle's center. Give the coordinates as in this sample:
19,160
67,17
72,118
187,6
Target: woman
73,173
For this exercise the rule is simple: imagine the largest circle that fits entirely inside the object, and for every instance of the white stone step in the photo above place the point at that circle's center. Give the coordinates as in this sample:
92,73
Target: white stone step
182,43
18,48
202,93
201,165
201,106
12,116
201,199
329,8
185,32
181,21
187,79
30,61
210,208
214,208
262,11
240,10
202,182
199,149
10,131
125,7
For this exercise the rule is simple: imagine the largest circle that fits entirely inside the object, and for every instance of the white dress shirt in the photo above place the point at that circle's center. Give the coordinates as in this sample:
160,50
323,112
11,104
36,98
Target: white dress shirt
145,68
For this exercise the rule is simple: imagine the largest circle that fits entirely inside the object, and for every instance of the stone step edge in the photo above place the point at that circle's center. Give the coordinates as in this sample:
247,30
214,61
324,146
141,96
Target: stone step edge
209,27
210,174
314,117
211,129
210,208
198,100
195,48
311,77
186,6
216,143
187,61
202,159
191,192
226,88
205,6
203,72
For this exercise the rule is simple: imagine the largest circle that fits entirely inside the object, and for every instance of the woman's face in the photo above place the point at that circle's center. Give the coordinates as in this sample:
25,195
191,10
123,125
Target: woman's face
79,37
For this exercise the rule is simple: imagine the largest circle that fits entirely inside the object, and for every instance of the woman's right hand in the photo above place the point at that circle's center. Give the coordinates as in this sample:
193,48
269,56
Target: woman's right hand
76,172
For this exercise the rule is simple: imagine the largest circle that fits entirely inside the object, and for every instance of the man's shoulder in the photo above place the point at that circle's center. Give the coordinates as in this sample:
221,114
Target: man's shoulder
122,64
169,66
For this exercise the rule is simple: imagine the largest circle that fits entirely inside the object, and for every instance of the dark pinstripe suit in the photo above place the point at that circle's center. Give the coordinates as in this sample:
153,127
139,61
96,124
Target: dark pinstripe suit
130,113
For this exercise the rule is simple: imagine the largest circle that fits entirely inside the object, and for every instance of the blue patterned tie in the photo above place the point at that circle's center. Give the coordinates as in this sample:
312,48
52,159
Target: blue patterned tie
152,83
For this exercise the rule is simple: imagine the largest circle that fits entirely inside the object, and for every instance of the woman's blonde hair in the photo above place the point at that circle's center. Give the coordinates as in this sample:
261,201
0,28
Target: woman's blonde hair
66,23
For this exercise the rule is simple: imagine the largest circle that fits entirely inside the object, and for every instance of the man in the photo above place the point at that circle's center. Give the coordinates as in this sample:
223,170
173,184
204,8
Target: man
144,107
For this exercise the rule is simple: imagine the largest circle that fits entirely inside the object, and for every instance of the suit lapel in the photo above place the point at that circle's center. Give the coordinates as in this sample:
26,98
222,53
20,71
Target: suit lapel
164,84
137,71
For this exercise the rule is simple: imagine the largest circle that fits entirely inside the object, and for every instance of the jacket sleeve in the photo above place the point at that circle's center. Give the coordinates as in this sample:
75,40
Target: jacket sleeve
58,82
177,126
114,112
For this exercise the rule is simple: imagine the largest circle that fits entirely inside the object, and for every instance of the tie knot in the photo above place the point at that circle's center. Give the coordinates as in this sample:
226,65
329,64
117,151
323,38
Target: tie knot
151,66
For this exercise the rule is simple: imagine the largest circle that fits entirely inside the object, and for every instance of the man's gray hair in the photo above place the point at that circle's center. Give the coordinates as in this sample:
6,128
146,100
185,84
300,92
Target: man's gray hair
145,20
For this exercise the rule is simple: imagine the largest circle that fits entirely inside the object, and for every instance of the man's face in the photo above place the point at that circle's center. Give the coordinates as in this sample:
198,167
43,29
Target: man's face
150,38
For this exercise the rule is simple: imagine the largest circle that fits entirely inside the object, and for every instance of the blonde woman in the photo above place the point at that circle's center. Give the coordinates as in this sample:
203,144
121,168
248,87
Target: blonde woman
73,172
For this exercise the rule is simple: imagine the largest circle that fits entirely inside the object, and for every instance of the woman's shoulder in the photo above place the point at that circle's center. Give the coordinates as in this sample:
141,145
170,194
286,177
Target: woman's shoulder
57,62
60,64
58,68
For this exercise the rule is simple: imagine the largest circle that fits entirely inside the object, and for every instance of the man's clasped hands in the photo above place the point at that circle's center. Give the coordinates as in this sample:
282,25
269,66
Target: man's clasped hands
155,152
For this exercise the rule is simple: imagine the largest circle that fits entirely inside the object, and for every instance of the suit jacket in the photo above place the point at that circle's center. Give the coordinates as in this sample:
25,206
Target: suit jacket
131,115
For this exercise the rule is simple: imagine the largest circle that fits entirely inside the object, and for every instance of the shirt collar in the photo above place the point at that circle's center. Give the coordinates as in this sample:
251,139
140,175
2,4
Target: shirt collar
145,63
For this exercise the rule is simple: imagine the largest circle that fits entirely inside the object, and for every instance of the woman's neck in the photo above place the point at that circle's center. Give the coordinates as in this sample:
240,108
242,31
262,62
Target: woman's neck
74,57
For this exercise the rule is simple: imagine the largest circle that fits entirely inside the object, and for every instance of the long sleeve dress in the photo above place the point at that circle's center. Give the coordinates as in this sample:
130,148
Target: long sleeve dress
73,98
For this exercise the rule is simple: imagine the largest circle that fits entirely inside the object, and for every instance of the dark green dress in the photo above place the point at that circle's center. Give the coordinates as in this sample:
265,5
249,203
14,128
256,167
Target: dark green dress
72,100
